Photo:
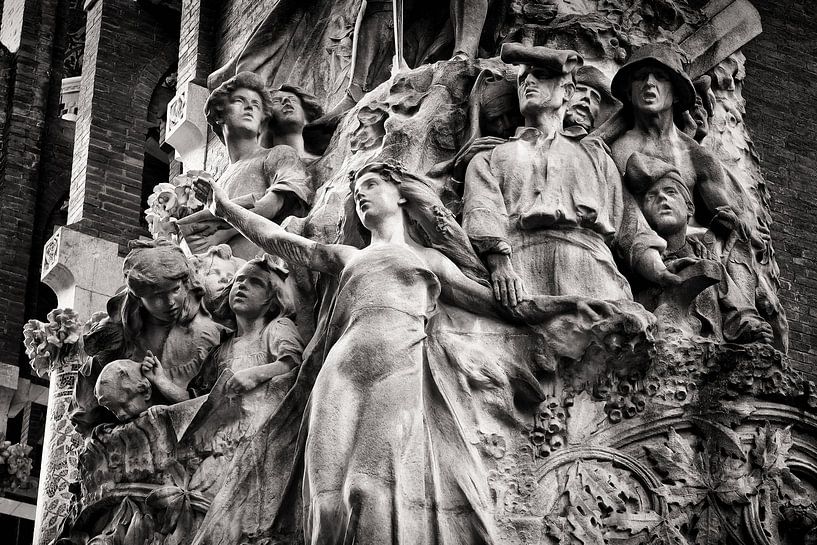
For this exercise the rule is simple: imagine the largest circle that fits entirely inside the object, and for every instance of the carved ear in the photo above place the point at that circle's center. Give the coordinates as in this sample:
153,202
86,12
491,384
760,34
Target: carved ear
570,88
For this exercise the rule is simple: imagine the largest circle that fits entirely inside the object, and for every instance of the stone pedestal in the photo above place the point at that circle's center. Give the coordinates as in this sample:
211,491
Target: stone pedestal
84,272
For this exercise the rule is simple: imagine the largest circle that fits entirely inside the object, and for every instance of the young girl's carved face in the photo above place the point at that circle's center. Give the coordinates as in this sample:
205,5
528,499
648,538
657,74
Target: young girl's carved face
166,304
253,291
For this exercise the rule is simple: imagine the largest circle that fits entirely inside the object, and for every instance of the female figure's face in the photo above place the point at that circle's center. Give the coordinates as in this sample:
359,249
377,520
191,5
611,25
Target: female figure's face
166,305
244,111
253,291
376,199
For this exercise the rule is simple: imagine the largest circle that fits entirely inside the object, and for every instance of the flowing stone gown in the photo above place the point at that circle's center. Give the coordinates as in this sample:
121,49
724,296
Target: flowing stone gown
372,462
383,457
279,341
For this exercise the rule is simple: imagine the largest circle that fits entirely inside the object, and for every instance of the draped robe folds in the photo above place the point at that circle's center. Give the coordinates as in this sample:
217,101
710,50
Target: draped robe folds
310,43
278,170
381,456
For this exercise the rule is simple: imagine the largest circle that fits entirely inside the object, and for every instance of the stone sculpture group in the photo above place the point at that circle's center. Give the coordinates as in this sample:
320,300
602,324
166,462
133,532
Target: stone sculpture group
438,347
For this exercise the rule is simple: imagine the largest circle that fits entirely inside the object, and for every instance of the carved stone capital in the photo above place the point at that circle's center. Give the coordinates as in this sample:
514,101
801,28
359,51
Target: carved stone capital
186,127
83,271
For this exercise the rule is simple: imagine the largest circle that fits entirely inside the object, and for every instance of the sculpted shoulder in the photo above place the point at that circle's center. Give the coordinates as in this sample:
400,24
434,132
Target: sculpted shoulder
281,153
623,147
505,152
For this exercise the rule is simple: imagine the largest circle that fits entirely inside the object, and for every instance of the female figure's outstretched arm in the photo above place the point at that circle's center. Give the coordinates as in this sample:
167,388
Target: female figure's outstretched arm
271,237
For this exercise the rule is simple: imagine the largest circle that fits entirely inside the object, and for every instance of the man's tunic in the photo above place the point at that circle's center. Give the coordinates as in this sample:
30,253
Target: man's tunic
558,208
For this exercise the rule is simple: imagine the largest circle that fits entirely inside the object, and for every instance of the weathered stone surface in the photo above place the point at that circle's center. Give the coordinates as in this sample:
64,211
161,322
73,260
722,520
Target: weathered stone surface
458,386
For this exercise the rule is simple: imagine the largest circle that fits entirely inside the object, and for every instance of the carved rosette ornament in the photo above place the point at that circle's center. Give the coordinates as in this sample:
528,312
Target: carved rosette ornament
657,406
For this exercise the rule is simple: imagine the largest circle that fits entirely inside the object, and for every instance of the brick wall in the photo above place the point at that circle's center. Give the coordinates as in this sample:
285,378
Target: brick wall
126,54
781,94
6,74
197,41
236,21
19,183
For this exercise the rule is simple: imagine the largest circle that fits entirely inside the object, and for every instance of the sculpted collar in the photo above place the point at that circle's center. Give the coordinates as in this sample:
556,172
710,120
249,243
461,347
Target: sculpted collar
532,134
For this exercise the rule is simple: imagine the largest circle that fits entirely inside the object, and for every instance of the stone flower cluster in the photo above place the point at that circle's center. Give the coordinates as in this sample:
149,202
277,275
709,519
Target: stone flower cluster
15,465
171,201
44,341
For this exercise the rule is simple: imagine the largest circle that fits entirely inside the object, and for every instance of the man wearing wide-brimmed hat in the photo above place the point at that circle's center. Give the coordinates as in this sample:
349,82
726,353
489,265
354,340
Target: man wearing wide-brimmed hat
655,91
724,312
592,103
546,210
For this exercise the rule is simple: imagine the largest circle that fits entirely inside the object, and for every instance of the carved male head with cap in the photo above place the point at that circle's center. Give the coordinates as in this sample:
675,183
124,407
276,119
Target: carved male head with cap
545,78
592,102
654,81
664,197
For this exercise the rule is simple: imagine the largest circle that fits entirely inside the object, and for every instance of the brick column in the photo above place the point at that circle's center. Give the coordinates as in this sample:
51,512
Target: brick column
30,29
196,41
126,53
84,272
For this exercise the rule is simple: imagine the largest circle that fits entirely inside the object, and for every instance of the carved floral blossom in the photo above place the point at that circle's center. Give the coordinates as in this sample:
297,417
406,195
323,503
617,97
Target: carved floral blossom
171,201
46,341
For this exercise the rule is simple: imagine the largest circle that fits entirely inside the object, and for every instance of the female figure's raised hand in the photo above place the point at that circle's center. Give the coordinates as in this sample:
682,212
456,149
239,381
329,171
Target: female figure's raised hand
211,193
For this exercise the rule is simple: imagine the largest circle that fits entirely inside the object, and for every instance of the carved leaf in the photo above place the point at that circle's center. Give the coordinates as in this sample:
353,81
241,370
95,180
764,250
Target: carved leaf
634,522
791,488
557,527
178,474
586,529
676,460
183,530
769,454
724,437
169,502
591,493
771,448
735,491
600,486
709,527
731,479
585,417
140,529
665,533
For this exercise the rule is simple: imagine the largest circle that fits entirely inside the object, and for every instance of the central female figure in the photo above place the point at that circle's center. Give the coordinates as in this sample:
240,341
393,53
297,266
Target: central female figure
384,459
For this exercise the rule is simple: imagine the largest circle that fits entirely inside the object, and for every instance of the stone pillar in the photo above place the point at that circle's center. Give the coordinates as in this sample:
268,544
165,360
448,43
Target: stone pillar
83,271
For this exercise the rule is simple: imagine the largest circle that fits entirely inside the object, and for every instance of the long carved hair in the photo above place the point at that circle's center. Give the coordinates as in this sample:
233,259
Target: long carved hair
147,265
429,222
